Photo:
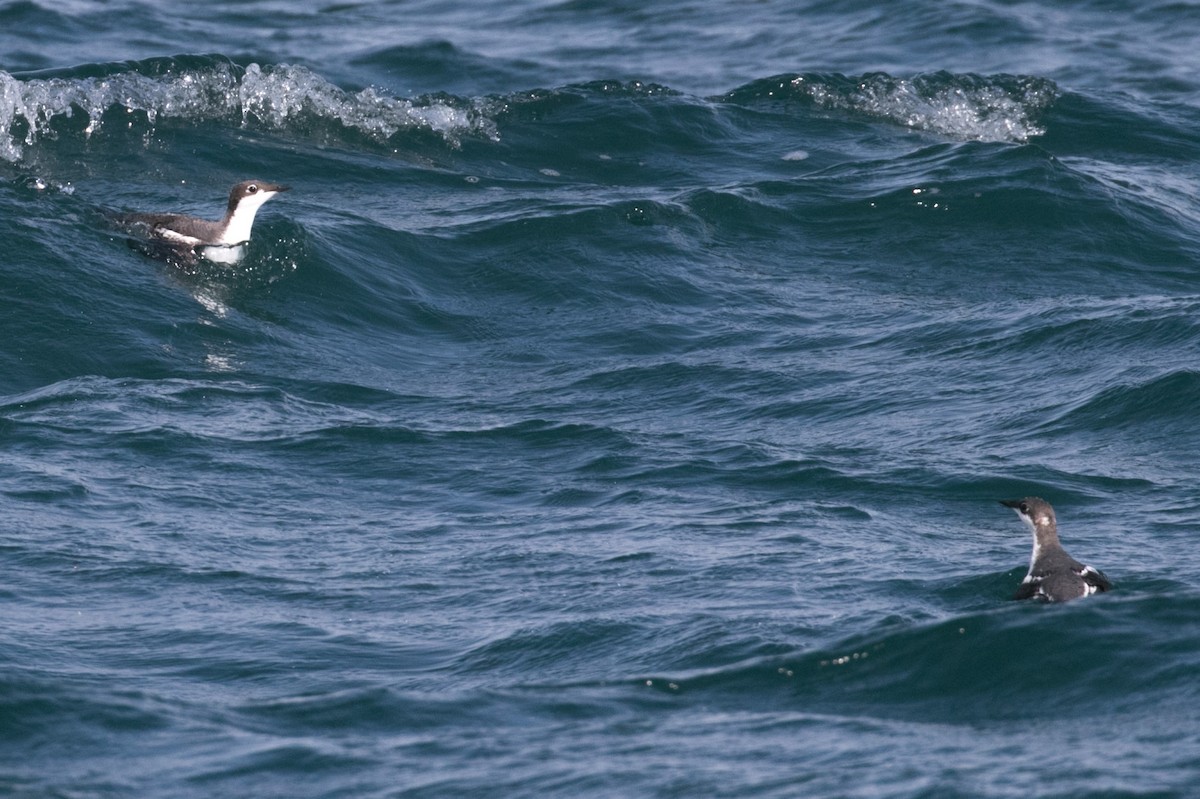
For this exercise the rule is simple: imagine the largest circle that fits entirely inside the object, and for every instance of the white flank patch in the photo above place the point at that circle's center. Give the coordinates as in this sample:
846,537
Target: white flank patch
171,235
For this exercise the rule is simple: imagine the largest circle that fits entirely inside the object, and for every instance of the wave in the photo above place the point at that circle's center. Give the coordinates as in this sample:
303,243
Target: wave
1162,405
964,667
41,106
194,89
996,108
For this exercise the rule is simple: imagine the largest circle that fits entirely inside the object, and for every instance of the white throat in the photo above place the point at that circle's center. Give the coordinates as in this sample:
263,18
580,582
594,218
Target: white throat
239,223
1037,545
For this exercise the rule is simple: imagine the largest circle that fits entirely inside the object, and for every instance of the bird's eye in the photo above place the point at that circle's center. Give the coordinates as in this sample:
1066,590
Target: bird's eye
252,188
1024,508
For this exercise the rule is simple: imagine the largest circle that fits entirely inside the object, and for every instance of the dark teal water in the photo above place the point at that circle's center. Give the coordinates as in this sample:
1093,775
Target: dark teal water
616,406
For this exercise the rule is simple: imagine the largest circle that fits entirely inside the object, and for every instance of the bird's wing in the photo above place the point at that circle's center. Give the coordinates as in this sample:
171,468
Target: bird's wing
1094,578
1029,588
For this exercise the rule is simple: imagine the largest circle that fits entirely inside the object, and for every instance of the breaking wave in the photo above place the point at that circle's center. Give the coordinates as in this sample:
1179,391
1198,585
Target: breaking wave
211,88
998,108
85,100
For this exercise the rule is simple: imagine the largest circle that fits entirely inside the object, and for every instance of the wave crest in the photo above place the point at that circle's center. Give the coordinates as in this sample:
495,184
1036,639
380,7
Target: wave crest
1001,108
200,89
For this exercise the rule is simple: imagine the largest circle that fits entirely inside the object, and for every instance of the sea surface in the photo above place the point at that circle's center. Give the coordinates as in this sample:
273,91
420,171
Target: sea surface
616,406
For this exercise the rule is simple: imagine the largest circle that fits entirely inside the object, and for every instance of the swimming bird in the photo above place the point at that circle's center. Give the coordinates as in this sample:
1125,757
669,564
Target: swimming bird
1054,576
221,241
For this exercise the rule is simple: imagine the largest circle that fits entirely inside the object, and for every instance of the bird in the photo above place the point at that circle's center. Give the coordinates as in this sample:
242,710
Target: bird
1054,576
220,241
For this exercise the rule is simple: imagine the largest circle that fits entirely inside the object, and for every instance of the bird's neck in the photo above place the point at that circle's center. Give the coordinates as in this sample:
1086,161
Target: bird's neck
237,223
1045,539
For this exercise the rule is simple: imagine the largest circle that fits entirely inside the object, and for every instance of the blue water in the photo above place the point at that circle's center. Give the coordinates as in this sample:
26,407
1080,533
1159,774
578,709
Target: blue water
616,406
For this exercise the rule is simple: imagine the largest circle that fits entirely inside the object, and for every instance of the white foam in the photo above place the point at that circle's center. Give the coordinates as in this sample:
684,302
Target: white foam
278,97
964,107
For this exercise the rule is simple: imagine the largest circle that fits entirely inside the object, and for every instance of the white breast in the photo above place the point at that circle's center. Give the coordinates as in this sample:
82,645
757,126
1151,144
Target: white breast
222,254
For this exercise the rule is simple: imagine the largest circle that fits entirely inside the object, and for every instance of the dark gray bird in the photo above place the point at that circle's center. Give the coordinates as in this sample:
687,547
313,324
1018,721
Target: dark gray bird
1054,576
219,241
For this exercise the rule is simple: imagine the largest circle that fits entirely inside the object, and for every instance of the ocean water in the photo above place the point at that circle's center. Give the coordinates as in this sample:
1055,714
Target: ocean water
616,406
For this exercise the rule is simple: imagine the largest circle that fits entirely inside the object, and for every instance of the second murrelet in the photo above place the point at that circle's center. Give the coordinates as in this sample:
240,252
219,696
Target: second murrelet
1054,576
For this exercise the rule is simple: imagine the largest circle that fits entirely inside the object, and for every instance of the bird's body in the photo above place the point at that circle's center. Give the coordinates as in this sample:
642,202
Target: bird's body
219,240
1054,576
